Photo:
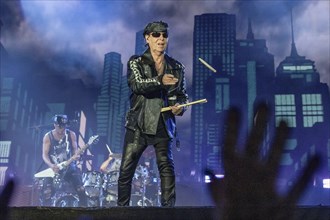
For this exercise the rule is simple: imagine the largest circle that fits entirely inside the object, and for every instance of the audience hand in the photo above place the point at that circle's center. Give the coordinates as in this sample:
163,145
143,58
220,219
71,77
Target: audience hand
248,190
5,197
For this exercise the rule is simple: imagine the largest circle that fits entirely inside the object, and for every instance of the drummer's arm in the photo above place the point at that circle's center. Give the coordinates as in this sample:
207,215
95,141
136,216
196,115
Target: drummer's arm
104,165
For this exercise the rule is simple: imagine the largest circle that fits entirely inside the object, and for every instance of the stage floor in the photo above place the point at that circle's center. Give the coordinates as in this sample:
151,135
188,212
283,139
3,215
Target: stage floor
144,213
192,203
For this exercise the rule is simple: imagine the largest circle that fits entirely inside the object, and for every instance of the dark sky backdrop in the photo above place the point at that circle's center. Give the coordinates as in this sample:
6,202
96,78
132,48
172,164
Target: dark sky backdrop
71,37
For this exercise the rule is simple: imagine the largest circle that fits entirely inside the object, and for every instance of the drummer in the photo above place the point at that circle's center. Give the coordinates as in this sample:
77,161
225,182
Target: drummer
111,164
110,167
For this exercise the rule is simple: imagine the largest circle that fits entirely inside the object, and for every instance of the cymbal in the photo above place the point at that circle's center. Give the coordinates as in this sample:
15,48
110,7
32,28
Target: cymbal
117,156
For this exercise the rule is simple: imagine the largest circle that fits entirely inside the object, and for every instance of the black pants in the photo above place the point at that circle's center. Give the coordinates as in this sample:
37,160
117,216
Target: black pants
135,144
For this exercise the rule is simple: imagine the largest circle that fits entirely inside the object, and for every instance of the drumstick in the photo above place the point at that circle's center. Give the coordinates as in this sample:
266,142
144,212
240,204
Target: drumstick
187,104
207,65
108,149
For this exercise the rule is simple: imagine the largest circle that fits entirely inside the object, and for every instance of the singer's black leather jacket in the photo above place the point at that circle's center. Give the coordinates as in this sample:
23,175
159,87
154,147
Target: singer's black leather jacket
148,94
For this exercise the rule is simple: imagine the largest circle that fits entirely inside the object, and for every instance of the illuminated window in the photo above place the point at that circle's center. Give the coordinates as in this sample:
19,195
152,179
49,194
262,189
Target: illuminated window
7,83
289,68
222,94
4,159
312,109
305,67
5,104
298,68
285,109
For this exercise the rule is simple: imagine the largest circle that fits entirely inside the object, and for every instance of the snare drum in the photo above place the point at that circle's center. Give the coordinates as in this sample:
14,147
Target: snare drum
93,182
111,182
92,178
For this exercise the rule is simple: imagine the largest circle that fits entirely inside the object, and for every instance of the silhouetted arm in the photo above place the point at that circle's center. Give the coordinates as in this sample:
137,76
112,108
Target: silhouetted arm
5,197
248,190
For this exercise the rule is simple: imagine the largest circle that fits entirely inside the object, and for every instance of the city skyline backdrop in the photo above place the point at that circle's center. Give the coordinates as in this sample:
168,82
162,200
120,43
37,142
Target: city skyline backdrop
247,65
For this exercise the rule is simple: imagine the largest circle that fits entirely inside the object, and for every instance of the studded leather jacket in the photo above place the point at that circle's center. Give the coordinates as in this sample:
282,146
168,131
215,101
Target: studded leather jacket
149,95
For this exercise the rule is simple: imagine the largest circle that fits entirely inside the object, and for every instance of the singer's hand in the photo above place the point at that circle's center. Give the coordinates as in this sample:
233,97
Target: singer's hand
6,196
176,110
169,79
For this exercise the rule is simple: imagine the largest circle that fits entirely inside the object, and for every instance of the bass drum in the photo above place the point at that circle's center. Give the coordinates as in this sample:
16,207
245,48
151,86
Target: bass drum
93,182
136,200
66,200
109,200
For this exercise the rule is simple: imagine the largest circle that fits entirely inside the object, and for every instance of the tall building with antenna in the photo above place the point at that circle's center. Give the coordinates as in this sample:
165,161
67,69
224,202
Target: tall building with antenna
304,102
252,81
254,76
297,68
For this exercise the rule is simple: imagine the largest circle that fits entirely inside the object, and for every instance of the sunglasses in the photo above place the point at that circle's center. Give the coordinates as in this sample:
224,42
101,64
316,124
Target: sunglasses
157,34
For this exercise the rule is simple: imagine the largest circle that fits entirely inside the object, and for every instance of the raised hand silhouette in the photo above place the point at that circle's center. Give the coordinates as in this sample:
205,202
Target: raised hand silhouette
248,190
5,197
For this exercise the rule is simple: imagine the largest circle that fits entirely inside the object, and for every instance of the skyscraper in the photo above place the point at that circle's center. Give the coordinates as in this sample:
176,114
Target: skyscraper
214,42
110,106
139,43
252,81
21,108
304,102
254,76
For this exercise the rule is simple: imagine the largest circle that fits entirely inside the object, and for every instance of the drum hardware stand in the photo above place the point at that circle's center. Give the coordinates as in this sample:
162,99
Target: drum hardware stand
144,198
158,192
144,180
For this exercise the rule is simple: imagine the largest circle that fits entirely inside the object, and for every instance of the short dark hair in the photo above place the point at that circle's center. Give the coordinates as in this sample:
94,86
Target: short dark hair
61,120
155,26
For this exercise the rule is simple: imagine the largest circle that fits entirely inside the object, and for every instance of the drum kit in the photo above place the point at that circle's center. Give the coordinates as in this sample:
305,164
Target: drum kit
146,188
64,196
101,189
